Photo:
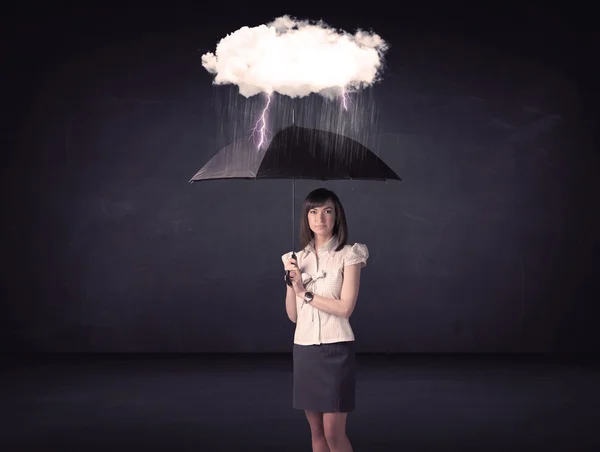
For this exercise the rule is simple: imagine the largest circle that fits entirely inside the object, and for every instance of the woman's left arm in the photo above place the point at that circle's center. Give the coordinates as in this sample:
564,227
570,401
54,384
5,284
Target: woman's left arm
345,305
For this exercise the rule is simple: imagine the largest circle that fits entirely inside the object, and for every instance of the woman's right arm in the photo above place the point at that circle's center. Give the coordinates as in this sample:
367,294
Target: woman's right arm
290,304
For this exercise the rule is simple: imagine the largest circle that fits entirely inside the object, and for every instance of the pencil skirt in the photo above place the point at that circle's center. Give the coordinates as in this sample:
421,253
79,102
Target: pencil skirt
325,377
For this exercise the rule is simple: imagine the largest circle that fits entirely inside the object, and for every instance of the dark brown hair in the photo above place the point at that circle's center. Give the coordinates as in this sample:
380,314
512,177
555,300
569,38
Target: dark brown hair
317,198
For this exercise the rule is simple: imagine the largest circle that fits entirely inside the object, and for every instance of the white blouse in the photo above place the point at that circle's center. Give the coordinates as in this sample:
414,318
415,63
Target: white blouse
323,274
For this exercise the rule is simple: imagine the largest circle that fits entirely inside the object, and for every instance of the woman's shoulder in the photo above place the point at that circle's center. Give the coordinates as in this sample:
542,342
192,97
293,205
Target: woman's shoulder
356,247
355,253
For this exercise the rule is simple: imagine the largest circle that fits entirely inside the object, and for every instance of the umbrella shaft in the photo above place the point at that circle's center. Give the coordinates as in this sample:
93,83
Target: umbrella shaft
287,273
293,214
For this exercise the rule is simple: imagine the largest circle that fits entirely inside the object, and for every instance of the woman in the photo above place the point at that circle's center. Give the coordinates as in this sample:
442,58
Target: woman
325,282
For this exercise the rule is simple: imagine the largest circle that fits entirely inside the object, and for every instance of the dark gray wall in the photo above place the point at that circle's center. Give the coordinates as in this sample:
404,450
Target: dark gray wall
487,246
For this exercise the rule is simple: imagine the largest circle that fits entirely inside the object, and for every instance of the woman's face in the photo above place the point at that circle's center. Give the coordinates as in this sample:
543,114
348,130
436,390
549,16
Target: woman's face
321,219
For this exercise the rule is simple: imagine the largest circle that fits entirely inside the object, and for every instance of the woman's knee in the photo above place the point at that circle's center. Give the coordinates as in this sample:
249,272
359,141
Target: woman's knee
334,427
334,437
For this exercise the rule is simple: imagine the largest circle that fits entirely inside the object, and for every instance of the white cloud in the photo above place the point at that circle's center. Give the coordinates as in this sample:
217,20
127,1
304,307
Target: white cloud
296,58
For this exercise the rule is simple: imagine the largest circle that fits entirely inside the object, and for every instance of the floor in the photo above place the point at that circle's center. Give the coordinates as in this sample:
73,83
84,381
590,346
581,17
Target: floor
243,403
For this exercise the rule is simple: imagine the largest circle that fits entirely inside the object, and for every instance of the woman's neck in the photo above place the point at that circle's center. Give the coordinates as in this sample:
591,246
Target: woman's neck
320,241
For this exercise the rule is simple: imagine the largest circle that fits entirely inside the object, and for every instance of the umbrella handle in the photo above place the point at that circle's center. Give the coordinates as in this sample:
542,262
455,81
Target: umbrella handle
287,273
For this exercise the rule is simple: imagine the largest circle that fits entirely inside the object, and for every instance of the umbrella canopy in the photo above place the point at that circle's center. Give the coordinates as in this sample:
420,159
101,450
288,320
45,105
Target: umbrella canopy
297,152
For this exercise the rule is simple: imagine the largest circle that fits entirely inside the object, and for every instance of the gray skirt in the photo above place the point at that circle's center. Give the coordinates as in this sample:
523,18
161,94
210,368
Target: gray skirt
325,377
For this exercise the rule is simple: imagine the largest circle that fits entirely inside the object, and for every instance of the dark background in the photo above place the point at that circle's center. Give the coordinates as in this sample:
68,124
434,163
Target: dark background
490,243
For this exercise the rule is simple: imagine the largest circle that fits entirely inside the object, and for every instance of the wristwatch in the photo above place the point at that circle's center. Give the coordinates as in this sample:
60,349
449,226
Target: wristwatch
308,297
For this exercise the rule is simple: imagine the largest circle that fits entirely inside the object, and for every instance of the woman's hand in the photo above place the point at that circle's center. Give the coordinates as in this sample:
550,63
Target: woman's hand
292,267
295,276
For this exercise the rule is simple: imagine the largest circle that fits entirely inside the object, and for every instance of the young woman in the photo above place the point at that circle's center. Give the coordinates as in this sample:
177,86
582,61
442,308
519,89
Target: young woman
325,282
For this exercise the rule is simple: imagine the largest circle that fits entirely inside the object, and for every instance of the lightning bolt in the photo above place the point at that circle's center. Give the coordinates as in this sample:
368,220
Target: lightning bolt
344,99
261,125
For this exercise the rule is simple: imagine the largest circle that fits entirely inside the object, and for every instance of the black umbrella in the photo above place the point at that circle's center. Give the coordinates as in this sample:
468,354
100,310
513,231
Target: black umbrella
297,153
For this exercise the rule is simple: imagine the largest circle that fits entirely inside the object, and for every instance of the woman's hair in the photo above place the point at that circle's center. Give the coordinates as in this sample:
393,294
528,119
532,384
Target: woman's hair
317,198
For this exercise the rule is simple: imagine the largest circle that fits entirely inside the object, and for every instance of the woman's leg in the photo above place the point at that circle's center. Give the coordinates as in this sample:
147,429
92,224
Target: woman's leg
319,442
334,425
